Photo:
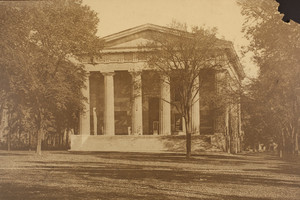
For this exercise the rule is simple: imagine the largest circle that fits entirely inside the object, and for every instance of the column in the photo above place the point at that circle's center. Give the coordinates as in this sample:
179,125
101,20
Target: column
240,117
137,108
109,104
95,121
3,123
196,108
240,136
84,120
183,125
227,129
165,107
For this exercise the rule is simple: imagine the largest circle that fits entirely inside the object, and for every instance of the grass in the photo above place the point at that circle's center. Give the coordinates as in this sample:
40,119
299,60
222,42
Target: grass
108,175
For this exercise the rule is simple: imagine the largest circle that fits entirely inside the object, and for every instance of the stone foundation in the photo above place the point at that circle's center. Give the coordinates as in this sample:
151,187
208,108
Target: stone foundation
145,143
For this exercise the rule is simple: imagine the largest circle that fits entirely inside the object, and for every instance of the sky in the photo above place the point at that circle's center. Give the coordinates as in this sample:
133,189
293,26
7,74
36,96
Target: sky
118,15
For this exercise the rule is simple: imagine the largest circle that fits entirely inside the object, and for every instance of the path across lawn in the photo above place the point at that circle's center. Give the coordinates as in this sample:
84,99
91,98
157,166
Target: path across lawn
95,175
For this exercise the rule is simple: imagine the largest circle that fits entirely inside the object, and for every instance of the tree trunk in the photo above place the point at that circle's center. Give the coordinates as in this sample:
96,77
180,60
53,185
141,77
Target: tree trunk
296,143
29,142
188,138
67,139
236,144
280,153
230,132
9,140
9,121
239,144
228,143
188,144
39,142
227,138
232,143
282,150
227,148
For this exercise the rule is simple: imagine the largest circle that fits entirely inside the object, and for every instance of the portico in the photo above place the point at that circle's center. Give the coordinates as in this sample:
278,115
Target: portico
128,103
134,101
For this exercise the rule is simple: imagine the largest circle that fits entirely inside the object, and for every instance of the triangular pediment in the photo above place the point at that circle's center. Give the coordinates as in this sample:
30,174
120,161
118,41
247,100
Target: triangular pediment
132,43
134,37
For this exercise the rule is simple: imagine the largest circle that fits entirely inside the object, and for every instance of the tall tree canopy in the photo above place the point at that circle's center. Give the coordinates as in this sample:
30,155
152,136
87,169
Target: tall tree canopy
273,104
181,58
40,82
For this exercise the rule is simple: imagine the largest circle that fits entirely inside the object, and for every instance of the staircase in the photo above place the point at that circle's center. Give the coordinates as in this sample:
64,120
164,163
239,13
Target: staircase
144,143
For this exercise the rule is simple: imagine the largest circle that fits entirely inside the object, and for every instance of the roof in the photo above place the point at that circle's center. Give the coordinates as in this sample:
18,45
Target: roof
134,30
112,38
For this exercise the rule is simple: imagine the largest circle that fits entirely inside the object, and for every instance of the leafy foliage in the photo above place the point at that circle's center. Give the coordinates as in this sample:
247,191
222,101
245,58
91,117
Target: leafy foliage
40,80
273,105
181,58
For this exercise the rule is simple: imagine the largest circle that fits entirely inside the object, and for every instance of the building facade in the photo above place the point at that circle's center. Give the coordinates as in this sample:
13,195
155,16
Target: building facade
128,109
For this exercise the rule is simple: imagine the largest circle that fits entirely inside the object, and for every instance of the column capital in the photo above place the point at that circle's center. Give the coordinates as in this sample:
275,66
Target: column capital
107,73
165,79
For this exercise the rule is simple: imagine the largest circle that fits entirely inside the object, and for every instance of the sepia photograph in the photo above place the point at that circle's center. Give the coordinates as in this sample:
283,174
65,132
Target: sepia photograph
149,99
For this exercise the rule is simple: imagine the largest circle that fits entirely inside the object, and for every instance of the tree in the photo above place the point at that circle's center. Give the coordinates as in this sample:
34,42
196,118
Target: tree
275,45
40,79
180,59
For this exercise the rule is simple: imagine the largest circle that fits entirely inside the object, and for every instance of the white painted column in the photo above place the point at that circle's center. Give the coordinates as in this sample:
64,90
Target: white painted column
183,125
84,120
95,121
3,123
165,107
226,117
196,108
137,107
109,104
227,128
240,137
240,116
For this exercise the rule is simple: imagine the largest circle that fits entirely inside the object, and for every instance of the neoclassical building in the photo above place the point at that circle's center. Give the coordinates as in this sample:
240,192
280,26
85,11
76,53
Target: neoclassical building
122,117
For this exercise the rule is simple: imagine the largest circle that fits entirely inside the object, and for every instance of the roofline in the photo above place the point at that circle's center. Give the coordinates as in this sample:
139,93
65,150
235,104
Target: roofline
162,29
133,30
238,63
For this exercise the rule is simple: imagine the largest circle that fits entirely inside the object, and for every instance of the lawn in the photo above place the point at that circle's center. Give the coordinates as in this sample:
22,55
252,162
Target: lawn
101,175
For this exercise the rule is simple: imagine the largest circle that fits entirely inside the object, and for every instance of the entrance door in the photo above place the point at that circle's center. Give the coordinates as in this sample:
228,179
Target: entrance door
153,115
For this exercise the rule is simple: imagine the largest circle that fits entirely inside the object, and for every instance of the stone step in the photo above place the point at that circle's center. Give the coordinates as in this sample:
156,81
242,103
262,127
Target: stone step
144,143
